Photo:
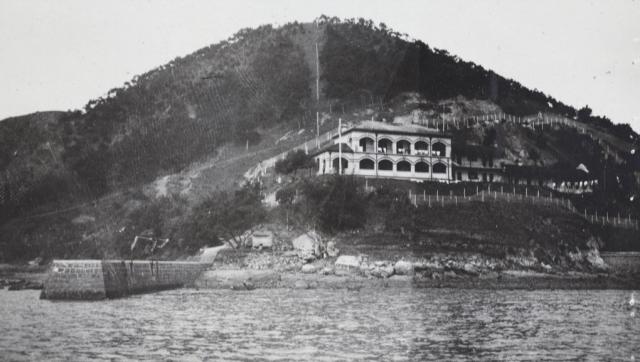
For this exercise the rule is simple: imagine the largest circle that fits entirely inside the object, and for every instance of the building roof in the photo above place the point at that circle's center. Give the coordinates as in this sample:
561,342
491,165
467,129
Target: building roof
333,148
482,152
394,128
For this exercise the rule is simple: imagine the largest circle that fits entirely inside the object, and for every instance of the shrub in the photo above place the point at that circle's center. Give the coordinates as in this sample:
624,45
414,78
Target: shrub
293,161
337,204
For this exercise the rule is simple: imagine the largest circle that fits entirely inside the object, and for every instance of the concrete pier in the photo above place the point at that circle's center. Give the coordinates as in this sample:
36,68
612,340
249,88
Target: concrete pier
100,279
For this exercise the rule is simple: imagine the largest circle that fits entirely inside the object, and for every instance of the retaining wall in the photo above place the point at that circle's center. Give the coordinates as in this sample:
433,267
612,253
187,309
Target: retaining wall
100,279
624,262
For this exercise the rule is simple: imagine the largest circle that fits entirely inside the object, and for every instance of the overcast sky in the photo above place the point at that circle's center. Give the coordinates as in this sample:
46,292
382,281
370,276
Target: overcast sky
56,55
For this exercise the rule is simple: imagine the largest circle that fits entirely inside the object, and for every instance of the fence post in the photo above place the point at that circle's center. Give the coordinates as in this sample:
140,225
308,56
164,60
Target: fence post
424,195
526,192
495,195
429,201
482,195
437,194
464,192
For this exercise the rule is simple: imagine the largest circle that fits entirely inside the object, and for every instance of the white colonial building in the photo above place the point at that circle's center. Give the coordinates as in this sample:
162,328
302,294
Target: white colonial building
386,150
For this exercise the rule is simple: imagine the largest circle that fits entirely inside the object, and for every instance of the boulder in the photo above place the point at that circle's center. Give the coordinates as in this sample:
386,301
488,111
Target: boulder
36,261
306,256
307,243
347,262
332,251
595,260
327,270
403,267
471,269
309,269
262,239
382,271
450,274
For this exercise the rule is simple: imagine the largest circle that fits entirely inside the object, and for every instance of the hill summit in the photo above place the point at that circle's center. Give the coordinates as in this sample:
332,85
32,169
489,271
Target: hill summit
210,116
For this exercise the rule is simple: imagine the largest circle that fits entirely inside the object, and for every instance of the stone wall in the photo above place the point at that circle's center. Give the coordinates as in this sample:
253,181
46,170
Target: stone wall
74,279
99,279
623,262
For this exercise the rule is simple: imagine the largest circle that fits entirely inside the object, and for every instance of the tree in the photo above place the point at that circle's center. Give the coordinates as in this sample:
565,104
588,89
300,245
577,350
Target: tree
338,204
229,217
584,114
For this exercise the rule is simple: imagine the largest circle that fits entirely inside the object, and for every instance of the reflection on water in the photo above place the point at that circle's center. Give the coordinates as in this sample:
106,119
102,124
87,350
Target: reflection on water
389,324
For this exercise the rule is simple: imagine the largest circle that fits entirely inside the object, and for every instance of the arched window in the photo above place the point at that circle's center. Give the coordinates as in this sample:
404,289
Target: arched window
439,149
439,168
403,166
367,145
403,147
385,146
421,147
336,163
422,167
367,164
385,165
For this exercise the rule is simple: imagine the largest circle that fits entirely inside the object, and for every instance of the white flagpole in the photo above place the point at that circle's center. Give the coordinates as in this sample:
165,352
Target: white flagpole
340,146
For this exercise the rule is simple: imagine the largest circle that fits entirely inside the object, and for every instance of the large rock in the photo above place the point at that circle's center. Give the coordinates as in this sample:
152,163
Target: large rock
384,271
307,243
470,268
332,251
309,269
595,260
347,262
403,267
327,270
262,238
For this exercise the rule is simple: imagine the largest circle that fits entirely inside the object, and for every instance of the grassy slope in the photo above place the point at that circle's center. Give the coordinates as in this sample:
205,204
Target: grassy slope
179,120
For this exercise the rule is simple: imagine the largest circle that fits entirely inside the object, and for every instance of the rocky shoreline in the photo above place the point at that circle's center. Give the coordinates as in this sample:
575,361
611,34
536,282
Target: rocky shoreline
19,277
355,272
242,279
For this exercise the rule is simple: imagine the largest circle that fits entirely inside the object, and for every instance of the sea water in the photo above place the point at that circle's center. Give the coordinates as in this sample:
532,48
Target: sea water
326,325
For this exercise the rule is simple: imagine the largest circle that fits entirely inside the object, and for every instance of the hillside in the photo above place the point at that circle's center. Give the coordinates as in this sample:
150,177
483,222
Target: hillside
194,126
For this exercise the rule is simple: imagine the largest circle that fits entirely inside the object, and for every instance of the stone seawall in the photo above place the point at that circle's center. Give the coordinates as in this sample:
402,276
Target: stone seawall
100,279
623,262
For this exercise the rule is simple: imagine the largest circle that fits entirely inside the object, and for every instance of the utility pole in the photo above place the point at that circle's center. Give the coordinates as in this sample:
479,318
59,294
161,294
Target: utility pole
317,90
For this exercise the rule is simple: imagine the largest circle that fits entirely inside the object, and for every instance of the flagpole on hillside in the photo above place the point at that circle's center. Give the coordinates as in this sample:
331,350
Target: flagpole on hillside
340,146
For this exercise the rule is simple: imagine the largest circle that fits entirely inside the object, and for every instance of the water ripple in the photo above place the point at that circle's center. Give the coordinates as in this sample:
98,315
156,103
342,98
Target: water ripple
324,325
